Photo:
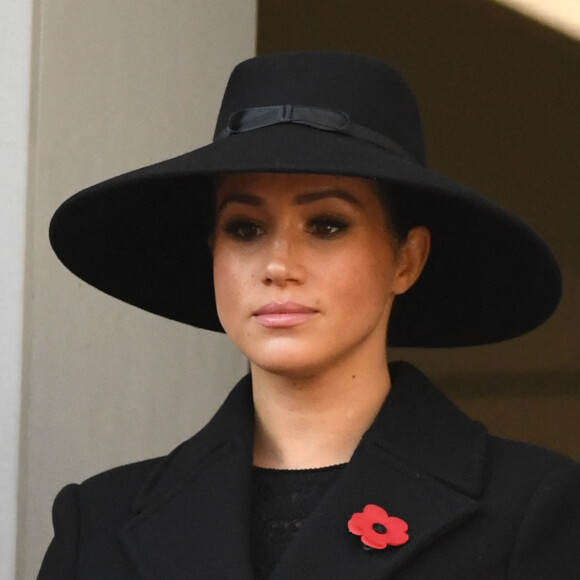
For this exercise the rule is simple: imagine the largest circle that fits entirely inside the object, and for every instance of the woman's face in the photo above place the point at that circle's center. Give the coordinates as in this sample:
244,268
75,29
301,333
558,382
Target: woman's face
305,270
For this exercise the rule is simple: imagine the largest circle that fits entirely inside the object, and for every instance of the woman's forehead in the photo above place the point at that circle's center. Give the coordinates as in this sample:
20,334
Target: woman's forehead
257,188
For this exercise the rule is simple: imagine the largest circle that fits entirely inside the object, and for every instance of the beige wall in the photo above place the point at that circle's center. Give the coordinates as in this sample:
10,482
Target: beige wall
499,100
116,85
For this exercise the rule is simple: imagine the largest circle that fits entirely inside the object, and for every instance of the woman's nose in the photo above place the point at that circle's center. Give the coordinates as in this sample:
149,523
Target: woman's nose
283,263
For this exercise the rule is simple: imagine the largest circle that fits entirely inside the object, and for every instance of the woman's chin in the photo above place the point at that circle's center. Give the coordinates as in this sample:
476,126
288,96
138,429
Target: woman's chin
292,363
287,367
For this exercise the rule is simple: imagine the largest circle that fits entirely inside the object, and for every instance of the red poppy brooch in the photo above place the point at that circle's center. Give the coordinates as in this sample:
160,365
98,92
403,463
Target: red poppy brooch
377,529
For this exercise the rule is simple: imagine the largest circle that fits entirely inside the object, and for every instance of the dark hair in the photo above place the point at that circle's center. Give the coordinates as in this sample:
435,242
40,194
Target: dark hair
397,210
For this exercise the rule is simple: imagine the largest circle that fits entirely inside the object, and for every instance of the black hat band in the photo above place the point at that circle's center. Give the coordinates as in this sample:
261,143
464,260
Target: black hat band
322,119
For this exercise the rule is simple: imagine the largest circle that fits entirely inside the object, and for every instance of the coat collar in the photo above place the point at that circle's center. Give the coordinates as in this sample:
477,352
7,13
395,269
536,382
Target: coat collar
424,429
421,460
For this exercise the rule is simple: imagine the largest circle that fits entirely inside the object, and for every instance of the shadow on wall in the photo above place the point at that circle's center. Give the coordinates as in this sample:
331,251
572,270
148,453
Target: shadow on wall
499,100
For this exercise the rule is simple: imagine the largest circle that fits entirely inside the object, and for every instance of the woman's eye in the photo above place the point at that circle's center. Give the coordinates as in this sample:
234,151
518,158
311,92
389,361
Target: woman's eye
327,227
244,230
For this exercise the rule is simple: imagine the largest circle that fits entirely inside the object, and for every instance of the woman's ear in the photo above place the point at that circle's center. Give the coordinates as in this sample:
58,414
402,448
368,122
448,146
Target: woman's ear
411,258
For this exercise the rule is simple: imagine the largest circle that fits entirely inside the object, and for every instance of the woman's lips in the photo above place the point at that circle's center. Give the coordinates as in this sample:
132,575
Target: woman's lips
283,314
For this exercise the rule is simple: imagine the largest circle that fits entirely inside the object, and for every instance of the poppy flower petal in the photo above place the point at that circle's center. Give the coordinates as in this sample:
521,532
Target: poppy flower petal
357,524
372,542
378,514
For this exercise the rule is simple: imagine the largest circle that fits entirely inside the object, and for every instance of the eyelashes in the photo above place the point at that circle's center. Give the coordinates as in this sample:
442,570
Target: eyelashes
323,227
243,230
327,227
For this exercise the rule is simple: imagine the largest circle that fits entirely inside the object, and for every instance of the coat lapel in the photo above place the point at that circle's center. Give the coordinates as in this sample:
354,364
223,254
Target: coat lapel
326,549
193,515
421,460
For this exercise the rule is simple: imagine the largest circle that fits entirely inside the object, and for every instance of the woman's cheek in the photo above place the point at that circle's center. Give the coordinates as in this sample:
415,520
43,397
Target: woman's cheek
232,282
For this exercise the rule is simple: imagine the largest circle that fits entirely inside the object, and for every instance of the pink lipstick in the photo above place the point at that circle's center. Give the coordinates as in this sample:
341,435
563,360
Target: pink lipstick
283,314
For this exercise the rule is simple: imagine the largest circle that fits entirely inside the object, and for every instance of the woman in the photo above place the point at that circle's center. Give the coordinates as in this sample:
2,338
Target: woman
310,230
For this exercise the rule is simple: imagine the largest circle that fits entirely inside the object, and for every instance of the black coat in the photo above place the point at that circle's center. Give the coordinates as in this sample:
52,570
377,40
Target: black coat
478,507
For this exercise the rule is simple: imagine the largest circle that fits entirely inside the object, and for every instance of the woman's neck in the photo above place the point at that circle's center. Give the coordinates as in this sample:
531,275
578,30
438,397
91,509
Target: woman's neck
314,421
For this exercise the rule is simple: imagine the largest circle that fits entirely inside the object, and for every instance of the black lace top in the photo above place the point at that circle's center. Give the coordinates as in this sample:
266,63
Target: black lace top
282,500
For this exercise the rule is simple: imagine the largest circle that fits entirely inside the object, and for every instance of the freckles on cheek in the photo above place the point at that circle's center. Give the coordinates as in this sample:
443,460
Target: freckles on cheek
232,279
225,280
366,282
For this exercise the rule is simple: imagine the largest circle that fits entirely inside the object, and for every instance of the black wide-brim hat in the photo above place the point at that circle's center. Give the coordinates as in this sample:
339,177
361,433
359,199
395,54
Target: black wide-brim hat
143,236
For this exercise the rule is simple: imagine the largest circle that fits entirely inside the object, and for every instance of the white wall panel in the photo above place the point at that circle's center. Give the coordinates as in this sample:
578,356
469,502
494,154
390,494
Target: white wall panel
15,43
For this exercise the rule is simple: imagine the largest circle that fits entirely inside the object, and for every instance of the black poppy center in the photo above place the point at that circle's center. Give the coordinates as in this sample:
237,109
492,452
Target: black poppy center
379,528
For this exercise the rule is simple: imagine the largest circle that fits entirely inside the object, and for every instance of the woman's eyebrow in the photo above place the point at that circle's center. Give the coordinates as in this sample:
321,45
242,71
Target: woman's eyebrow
245,198
327,193
301,199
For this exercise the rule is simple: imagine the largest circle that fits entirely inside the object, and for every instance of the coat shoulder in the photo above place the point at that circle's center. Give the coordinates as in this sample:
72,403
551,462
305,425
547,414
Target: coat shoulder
523,464
538,490
107,499
86,518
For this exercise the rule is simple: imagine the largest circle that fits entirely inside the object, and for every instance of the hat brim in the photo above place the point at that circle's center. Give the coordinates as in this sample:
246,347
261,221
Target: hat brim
142,237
